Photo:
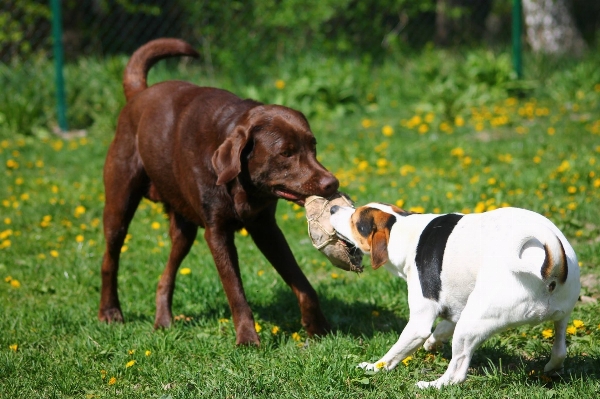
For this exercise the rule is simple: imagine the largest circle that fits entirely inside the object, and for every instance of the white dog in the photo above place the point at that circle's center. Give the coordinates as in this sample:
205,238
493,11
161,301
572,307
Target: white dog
480,273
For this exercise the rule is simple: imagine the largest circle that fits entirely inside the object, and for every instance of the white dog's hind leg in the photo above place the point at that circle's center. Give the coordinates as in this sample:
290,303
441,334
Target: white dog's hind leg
559,348
442,333
478,321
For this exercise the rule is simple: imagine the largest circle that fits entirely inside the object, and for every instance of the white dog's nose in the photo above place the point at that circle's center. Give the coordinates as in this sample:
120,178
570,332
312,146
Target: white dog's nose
334,209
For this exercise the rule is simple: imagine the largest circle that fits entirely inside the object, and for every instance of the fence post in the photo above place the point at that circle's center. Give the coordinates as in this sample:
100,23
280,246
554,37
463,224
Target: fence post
517,18
58,64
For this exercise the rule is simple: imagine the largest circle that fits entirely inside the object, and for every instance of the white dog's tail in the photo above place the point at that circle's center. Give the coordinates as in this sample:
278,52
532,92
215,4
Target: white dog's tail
543,254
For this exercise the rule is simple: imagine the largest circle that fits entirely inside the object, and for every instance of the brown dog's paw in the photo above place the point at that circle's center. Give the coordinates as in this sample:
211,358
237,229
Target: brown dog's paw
316,325
247,337
162,321
111,315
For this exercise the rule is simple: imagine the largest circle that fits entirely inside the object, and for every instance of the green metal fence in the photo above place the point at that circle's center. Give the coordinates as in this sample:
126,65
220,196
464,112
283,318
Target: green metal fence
261,30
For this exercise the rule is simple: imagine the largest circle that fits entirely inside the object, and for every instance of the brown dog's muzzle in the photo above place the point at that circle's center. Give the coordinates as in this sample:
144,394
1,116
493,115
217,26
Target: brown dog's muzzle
328,185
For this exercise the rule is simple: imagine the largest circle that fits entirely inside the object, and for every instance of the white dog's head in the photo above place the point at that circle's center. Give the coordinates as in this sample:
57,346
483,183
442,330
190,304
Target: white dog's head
367,227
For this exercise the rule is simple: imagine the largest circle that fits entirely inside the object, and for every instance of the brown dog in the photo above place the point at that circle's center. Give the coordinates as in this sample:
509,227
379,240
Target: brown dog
215,161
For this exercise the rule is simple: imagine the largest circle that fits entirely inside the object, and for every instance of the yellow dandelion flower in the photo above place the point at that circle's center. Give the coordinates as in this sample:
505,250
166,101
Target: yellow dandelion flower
578,324
14,347
274,330
79,210
223,320
479,208
387,130
548,333
124,248
551,131
79,238
8,279
112,381
54,253
334,275
423,128
572,330
185,270
564,166
417,209
400,203
459,121
366,123
382,163
131,351
129,364
280,84
363,165
257,327
15,283
296,336
155,225
260,273
12,164
405,361
380,365
7,221
148,353
457,152
244,232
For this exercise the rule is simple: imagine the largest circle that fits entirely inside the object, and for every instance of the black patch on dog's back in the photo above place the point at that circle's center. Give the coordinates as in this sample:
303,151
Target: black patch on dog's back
430,253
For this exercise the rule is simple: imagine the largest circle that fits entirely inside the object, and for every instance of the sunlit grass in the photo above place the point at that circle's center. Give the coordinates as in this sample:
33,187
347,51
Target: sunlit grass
538,153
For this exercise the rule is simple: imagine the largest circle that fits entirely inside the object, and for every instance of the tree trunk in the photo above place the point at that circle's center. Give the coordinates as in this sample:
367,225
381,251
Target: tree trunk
551,28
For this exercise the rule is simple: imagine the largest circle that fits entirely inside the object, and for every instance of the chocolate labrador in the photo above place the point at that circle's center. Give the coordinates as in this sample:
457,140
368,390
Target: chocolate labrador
215,161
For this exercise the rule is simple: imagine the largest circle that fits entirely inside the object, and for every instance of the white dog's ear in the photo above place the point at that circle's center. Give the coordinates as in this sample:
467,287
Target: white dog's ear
379,251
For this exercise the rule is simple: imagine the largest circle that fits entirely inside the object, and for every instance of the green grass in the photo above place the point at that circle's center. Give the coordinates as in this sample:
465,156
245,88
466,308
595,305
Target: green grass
540,153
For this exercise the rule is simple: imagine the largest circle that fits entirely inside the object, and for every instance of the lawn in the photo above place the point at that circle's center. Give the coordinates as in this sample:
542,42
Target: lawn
426,138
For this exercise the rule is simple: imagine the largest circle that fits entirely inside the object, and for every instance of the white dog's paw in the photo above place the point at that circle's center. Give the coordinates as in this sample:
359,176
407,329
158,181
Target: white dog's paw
440,382
433,345
375,367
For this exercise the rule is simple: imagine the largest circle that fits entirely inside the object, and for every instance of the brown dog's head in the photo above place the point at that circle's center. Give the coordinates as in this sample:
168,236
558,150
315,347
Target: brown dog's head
274,147
368,227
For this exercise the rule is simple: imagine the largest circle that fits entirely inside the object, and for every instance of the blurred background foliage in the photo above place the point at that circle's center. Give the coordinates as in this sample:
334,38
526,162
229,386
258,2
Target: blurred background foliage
335,56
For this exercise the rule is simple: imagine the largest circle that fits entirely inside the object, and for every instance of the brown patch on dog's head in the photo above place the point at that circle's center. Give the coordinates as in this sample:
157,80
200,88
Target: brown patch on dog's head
371,229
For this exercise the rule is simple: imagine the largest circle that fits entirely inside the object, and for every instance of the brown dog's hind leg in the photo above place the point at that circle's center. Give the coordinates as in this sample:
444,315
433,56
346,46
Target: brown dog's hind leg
124,183
183,234
222,246
272,243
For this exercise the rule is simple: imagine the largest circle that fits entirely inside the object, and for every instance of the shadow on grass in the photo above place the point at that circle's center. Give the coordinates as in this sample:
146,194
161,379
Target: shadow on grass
346,316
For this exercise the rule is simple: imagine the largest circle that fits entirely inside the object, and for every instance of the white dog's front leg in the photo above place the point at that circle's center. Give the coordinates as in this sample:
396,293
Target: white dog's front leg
414,334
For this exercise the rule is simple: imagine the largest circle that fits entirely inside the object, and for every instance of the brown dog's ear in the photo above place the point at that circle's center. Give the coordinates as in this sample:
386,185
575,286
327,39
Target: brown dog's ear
227,159
379,251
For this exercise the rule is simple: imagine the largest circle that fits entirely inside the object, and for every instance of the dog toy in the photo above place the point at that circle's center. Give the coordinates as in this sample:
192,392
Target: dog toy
340,253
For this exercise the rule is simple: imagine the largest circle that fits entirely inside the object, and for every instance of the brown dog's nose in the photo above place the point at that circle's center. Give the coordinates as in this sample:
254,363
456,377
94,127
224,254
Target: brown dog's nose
329,184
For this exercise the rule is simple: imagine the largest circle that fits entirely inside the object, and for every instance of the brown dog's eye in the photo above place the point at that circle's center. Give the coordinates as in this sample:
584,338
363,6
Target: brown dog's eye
286,153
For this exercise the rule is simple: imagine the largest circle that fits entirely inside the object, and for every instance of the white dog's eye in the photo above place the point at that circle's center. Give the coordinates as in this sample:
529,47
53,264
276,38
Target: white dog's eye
364,228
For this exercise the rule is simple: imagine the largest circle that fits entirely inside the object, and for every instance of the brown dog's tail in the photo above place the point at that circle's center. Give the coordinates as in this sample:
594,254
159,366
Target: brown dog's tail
134,78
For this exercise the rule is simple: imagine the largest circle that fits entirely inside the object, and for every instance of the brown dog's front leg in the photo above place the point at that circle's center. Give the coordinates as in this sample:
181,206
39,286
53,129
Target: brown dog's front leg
222,246
272,243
